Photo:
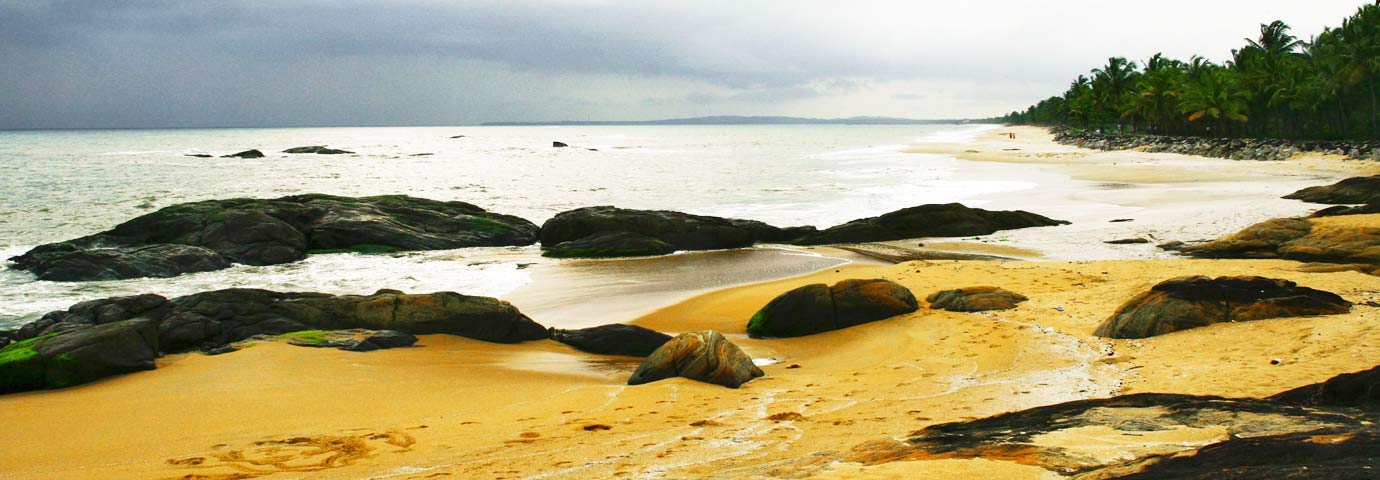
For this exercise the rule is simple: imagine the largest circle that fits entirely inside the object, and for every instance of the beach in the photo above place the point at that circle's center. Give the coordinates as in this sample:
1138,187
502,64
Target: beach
452,407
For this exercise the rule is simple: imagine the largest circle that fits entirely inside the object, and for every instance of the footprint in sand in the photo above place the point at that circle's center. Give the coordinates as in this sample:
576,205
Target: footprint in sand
294,454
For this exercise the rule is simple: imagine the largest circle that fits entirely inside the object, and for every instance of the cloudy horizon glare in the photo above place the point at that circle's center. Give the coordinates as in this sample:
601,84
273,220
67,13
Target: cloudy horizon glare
161,63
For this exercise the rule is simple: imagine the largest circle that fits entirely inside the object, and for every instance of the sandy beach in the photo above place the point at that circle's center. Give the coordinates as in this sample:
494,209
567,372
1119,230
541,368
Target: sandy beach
458,408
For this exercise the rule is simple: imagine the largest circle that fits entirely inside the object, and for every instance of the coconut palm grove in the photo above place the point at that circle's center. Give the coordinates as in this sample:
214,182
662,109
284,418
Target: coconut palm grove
1275,86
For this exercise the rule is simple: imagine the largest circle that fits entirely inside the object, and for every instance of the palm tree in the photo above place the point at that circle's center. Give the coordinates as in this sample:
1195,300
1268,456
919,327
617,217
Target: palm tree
1215,94
1112,82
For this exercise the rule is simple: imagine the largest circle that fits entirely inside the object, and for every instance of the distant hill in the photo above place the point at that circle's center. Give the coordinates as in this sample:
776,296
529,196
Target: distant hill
742,120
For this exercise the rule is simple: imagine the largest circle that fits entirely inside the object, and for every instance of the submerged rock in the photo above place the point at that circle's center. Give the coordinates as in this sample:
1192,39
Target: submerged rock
1189,302
63,359
820,308
975,299
1349,192
616,339
317,149
703,356
947,220
245,154
610,231
209,235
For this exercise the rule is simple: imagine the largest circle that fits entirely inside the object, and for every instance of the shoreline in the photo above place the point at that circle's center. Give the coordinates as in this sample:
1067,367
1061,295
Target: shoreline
458,408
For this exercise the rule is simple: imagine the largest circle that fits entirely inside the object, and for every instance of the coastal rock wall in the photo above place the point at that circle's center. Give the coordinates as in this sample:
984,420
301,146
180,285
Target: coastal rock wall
1230,148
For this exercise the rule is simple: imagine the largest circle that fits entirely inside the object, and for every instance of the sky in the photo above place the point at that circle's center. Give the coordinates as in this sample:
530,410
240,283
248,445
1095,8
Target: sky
251,63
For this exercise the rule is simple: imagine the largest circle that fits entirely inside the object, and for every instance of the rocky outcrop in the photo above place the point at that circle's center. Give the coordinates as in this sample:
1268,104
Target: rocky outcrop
1190,302
975,299
1340,210
245,154
610,231
615,339
208,235
1348,390
1230,148
820,308
1246,438
703,356
317,149
63,359
1305,240
1346,192
352,340
947,220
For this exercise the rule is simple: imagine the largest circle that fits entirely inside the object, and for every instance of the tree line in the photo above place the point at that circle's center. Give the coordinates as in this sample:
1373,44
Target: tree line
1275,86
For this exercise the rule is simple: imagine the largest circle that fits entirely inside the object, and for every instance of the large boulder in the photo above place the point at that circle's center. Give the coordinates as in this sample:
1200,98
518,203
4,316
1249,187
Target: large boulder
57,360
703,356
211,234
1328,240
1346,192
1190,302
947,220
610,231
975,299
615,339
820,308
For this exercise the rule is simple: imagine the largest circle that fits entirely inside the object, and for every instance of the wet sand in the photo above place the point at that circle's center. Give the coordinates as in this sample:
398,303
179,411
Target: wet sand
457,408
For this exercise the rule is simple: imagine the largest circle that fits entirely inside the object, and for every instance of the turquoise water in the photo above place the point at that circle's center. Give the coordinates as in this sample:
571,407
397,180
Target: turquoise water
63,184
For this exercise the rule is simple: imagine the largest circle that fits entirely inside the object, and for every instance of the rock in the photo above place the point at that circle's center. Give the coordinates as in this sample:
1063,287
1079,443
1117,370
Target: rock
1259,439
1127,241
1348,390
1350,191
245,154
317,149
948,220
352,340
975,299
819,308
1171,246
1306,240
1188,302
610,244
457,136
198,155
637,228
59,360
703,356
66,262
96,312
1340,210
212,234
559,145
1121,220
616,339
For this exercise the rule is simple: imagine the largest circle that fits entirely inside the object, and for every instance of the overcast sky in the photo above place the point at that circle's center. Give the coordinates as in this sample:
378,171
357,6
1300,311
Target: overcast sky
176,63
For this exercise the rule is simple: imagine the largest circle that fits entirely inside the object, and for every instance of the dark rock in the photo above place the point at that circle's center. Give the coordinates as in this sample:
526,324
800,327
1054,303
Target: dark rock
1339,210
1346,192
198,155
616,339
1122,220
457,136
681,231
947,220
59,360
1336,454
1189,302
610,244
245,154
1298,239
1127,241
96,312
1348,390
819,308
317,149
211,234
1172,246
559,145
703,356
1232,148
975,299
352,340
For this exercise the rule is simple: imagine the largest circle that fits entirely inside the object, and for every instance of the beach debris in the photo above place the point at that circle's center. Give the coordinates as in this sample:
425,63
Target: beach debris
594,427
820,308
615,339
786,417
704,356
975,299
1188,302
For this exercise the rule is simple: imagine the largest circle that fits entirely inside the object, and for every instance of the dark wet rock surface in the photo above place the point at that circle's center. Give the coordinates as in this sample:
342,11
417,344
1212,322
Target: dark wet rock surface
1191,302
615,339
934,220
821,308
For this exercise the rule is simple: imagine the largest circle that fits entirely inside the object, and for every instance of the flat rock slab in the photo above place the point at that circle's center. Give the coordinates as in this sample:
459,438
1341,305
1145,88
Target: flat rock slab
1190,302
820,308
615,339
702,356
975,299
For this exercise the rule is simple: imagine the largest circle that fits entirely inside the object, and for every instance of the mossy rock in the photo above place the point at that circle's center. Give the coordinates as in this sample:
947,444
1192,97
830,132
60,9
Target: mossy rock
60,360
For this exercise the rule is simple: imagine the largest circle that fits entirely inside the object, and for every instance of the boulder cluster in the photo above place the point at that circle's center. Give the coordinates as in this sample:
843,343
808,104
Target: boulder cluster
1229,148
